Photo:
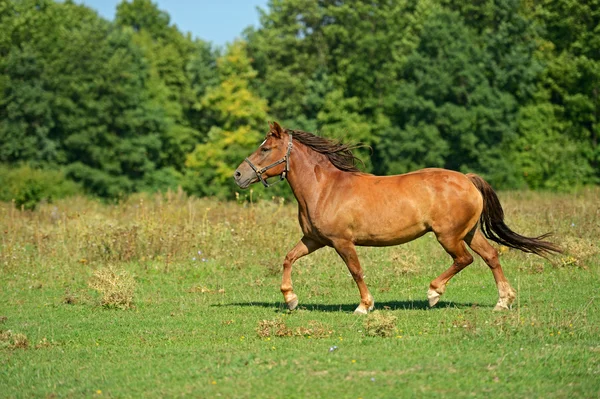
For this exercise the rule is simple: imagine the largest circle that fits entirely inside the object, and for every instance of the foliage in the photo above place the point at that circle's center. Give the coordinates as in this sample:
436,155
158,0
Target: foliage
237,116
456,107
27,186
111,120
571,49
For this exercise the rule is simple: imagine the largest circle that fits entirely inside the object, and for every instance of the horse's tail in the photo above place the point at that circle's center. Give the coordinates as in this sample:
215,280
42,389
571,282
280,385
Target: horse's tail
494,228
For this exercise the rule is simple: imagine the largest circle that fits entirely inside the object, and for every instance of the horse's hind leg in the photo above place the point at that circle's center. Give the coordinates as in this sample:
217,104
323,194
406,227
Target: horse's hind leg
304,247
456,247
489,254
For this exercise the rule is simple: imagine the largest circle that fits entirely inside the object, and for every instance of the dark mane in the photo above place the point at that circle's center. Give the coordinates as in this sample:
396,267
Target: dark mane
339,154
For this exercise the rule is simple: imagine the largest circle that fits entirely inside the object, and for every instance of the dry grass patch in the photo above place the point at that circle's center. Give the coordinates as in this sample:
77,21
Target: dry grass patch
579,251
273,328
278,328
380,324
11,340
116,286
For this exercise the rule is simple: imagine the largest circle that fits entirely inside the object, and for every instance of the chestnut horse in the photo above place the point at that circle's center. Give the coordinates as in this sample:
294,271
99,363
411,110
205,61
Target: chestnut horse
341,207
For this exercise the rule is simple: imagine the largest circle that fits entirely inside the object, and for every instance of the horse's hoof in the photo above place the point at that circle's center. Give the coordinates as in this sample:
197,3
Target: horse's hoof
361,310
433,297
500,307
293,303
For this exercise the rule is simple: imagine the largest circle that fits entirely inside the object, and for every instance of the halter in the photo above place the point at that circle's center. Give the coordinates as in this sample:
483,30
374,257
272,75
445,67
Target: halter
282,176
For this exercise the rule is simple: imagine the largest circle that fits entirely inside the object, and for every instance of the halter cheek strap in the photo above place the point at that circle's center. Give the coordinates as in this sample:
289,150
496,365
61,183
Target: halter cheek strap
282,176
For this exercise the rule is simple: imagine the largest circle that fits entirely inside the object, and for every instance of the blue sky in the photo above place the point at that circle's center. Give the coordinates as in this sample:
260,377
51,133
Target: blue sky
216,21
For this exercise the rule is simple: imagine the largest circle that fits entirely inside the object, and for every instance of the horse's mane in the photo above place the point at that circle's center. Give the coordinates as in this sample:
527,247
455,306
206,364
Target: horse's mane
339,154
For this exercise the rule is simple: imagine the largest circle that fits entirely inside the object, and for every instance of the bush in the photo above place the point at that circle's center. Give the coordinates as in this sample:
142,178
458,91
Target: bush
28,186
161,180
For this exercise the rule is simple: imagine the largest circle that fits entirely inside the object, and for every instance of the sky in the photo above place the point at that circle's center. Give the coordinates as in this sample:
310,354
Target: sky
215,21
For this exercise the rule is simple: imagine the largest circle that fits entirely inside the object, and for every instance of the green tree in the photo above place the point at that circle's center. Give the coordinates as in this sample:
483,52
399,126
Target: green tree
330,66
448,111
238,116
26,117
94,116
570,46
180,70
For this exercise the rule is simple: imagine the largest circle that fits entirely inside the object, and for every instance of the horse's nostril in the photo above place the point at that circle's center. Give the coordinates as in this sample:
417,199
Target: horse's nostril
237,174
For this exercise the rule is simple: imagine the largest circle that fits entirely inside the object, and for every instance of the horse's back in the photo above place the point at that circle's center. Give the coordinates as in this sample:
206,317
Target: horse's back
387,210
426,184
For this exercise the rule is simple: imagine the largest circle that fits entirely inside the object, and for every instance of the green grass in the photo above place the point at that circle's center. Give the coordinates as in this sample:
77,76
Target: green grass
193,328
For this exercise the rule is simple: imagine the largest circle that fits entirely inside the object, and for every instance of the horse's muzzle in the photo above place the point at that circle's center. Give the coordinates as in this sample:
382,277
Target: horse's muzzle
241,181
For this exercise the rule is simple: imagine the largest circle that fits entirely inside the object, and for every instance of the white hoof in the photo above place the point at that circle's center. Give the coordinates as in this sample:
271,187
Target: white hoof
433,297
293,303
503,304
361,310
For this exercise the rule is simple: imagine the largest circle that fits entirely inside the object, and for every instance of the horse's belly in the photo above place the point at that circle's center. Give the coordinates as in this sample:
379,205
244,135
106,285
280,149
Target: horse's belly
395,235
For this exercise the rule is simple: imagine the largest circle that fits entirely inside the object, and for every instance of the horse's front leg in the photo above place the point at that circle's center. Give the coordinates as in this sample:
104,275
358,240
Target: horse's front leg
304,247
347,252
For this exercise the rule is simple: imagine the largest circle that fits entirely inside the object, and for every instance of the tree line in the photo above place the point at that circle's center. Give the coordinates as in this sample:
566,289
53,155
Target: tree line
508,89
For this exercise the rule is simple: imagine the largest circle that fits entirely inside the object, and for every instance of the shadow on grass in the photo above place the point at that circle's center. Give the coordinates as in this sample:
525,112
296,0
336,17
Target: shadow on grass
391,305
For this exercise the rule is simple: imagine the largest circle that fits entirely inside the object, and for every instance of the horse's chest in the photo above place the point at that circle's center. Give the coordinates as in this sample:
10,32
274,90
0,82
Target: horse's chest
316,226
306,224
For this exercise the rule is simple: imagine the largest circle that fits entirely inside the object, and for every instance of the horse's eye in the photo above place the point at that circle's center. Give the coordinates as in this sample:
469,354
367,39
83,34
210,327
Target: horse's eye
265,149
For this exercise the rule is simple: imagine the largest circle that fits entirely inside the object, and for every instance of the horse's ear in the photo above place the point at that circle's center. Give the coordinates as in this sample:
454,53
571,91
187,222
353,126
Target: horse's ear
270,125
277,130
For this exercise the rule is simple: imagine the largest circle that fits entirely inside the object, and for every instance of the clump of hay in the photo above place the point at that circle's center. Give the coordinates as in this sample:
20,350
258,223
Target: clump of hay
379,324
275,328
278,328
315,329
11,340
117,287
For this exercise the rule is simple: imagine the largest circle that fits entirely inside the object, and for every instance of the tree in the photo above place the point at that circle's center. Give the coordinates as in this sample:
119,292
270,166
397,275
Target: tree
329,66
570,46
95,116
180,68
446,112
238,116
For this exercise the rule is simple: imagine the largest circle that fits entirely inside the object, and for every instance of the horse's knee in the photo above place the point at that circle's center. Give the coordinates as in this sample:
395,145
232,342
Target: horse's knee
463,261
287,262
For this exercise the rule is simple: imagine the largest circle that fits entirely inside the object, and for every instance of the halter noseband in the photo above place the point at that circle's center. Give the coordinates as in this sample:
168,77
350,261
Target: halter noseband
282,176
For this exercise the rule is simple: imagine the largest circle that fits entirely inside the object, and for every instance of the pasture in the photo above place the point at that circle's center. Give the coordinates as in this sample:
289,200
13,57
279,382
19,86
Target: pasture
206,317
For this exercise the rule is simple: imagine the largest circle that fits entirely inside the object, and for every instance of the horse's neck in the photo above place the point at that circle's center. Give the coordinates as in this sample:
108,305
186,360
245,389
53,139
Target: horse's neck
309,172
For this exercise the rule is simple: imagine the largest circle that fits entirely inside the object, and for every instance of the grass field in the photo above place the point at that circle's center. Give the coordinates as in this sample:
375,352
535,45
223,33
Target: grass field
206,317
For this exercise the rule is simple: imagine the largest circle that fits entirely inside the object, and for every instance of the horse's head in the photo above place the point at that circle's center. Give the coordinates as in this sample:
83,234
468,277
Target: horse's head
270,159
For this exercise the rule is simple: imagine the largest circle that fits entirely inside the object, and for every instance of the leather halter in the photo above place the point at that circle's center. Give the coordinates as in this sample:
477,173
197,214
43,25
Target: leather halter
283,175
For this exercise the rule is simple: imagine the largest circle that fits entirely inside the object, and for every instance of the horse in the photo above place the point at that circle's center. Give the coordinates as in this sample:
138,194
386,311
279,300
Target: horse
341,207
